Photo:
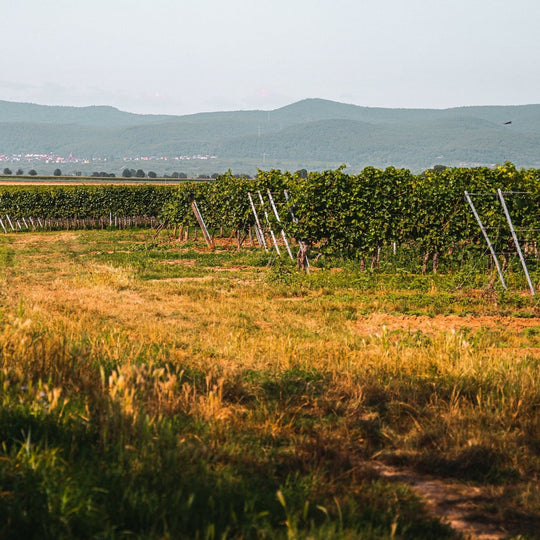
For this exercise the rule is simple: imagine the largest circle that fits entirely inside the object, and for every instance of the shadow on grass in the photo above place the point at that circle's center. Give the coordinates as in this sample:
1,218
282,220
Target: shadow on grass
63,476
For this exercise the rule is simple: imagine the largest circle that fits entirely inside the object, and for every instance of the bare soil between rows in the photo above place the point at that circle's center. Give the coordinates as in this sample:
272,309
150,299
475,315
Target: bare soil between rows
377,322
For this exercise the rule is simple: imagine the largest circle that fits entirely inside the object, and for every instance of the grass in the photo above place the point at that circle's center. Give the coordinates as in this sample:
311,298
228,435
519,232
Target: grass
158,390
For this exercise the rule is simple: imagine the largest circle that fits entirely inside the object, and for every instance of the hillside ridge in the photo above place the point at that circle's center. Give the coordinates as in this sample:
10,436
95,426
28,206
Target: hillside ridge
309,130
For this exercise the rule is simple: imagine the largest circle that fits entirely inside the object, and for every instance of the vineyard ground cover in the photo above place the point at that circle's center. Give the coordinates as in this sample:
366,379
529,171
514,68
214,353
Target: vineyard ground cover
423,219
152,387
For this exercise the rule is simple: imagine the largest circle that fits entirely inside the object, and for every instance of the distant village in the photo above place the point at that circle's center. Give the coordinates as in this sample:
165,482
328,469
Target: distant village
52,158
203,166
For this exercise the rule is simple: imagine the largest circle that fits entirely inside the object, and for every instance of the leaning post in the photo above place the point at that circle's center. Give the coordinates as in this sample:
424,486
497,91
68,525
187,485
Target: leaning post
484,232
201,223
516,241
269,224
283,235
258,228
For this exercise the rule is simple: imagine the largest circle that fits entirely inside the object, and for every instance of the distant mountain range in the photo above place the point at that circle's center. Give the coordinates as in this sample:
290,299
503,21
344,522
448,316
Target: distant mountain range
312,130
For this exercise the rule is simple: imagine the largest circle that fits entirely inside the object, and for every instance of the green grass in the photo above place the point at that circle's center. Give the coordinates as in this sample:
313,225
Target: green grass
154,389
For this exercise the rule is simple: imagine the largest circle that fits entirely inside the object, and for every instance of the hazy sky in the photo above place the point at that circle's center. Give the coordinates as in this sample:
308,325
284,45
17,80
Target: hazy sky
186,56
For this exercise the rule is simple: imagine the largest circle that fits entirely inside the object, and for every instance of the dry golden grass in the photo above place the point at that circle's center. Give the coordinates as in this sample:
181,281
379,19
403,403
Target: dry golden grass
446,394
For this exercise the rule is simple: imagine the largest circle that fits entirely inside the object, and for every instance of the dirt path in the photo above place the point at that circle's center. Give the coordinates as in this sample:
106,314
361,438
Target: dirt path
452,502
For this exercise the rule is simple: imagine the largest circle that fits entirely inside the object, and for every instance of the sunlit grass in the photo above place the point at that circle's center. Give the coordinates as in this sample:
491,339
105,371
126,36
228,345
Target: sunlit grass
162,390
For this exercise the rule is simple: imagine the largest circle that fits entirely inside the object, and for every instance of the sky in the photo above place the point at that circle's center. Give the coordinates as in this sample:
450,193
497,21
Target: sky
189,56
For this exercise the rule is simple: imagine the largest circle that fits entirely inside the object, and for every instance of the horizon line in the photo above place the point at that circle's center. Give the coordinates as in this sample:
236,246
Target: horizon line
217,111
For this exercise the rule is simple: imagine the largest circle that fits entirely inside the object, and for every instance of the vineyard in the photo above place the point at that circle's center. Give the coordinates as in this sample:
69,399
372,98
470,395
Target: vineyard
154,387
377,217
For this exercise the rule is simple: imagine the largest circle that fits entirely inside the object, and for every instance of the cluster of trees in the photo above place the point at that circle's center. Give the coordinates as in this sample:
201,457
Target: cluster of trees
126,173
176,175
139,173
19,172
102,174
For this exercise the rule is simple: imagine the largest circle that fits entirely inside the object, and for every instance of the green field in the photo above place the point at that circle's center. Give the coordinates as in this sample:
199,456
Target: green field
156,389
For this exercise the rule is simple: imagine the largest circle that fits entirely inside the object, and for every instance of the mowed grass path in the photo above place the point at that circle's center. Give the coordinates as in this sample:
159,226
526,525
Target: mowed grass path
156,389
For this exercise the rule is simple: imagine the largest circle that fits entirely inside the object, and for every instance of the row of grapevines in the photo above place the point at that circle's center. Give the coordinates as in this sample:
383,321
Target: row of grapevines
83,201
223,203
343,214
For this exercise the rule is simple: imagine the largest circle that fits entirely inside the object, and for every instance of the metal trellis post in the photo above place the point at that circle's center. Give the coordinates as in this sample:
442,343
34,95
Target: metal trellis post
258,228
283,235
295,220
269,224
516,242
202,225
484,232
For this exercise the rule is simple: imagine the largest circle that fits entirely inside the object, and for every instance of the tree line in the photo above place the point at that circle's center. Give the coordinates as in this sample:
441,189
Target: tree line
126,173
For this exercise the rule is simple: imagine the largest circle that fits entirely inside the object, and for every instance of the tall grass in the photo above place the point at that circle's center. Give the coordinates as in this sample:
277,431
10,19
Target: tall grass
240,405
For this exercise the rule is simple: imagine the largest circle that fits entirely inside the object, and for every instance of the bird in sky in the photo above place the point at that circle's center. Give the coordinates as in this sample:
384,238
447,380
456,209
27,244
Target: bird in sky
509,122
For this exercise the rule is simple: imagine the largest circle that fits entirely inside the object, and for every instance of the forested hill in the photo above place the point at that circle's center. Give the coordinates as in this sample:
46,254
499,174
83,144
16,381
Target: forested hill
306,131
101,116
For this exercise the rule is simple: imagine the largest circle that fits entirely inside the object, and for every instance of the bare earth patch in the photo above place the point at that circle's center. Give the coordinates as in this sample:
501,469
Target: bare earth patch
375,323
180,262
453,503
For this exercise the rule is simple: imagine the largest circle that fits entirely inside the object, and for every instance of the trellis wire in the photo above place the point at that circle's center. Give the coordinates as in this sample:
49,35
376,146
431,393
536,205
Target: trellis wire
111,221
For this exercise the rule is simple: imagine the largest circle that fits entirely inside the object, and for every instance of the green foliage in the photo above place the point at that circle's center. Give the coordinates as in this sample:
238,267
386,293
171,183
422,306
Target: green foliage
358,216
223,202
82,201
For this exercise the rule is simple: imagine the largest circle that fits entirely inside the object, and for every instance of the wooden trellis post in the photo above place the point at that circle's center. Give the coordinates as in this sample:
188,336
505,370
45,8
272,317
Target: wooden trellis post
10,223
